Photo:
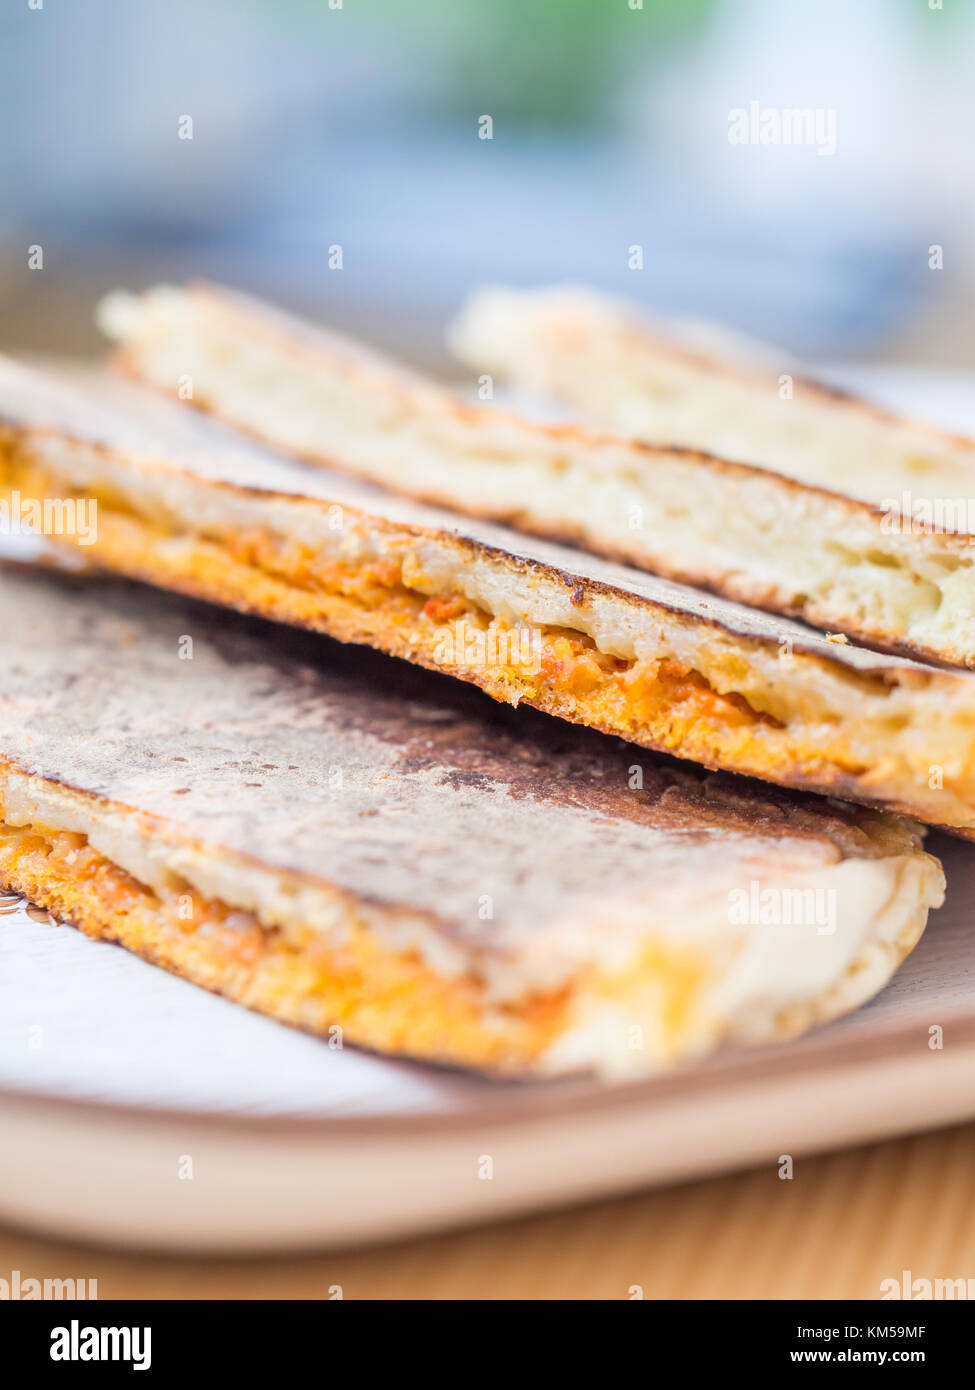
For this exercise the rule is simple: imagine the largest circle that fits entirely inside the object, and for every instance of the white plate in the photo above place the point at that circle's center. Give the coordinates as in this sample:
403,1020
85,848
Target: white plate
119,1081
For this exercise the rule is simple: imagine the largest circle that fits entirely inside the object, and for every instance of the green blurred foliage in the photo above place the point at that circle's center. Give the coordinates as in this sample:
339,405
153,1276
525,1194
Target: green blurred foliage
544,63
531,63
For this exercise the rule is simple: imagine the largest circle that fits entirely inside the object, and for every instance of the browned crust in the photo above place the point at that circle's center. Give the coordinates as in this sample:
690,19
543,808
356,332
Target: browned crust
830,780
152,824
485,739
752,595
737,589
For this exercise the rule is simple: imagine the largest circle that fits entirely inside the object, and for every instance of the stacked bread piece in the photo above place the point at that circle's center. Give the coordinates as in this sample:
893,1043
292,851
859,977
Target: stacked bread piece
346,842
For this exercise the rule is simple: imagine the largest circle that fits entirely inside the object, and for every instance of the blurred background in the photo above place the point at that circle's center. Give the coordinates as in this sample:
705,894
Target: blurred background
359,124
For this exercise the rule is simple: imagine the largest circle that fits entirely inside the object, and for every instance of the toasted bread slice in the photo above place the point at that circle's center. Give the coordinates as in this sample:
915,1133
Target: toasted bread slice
897,497
416,869
599,355
620,650
809,545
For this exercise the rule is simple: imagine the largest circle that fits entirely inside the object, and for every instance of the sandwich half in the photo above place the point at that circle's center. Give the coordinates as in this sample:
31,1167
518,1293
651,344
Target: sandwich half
816,507
120,479
386,858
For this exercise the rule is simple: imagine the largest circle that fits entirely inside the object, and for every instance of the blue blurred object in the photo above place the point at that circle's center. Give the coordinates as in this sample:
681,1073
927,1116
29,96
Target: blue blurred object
357,126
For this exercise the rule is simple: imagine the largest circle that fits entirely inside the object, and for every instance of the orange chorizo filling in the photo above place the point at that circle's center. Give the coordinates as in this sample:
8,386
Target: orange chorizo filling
384,601
345,987
567,660
390,1001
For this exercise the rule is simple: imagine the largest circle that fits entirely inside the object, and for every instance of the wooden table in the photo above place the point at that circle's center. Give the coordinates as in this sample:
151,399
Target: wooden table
841,1225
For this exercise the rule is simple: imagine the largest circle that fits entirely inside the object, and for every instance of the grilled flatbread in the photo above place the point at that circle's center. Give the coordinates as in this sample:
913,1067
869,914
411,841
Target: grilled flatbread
819,539
387,858
850,517
181,507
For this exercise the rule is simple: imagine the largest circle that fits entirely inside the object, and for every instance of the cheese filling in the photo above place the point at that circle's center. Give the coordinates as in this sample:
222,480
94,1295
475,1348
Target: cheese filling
379,584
